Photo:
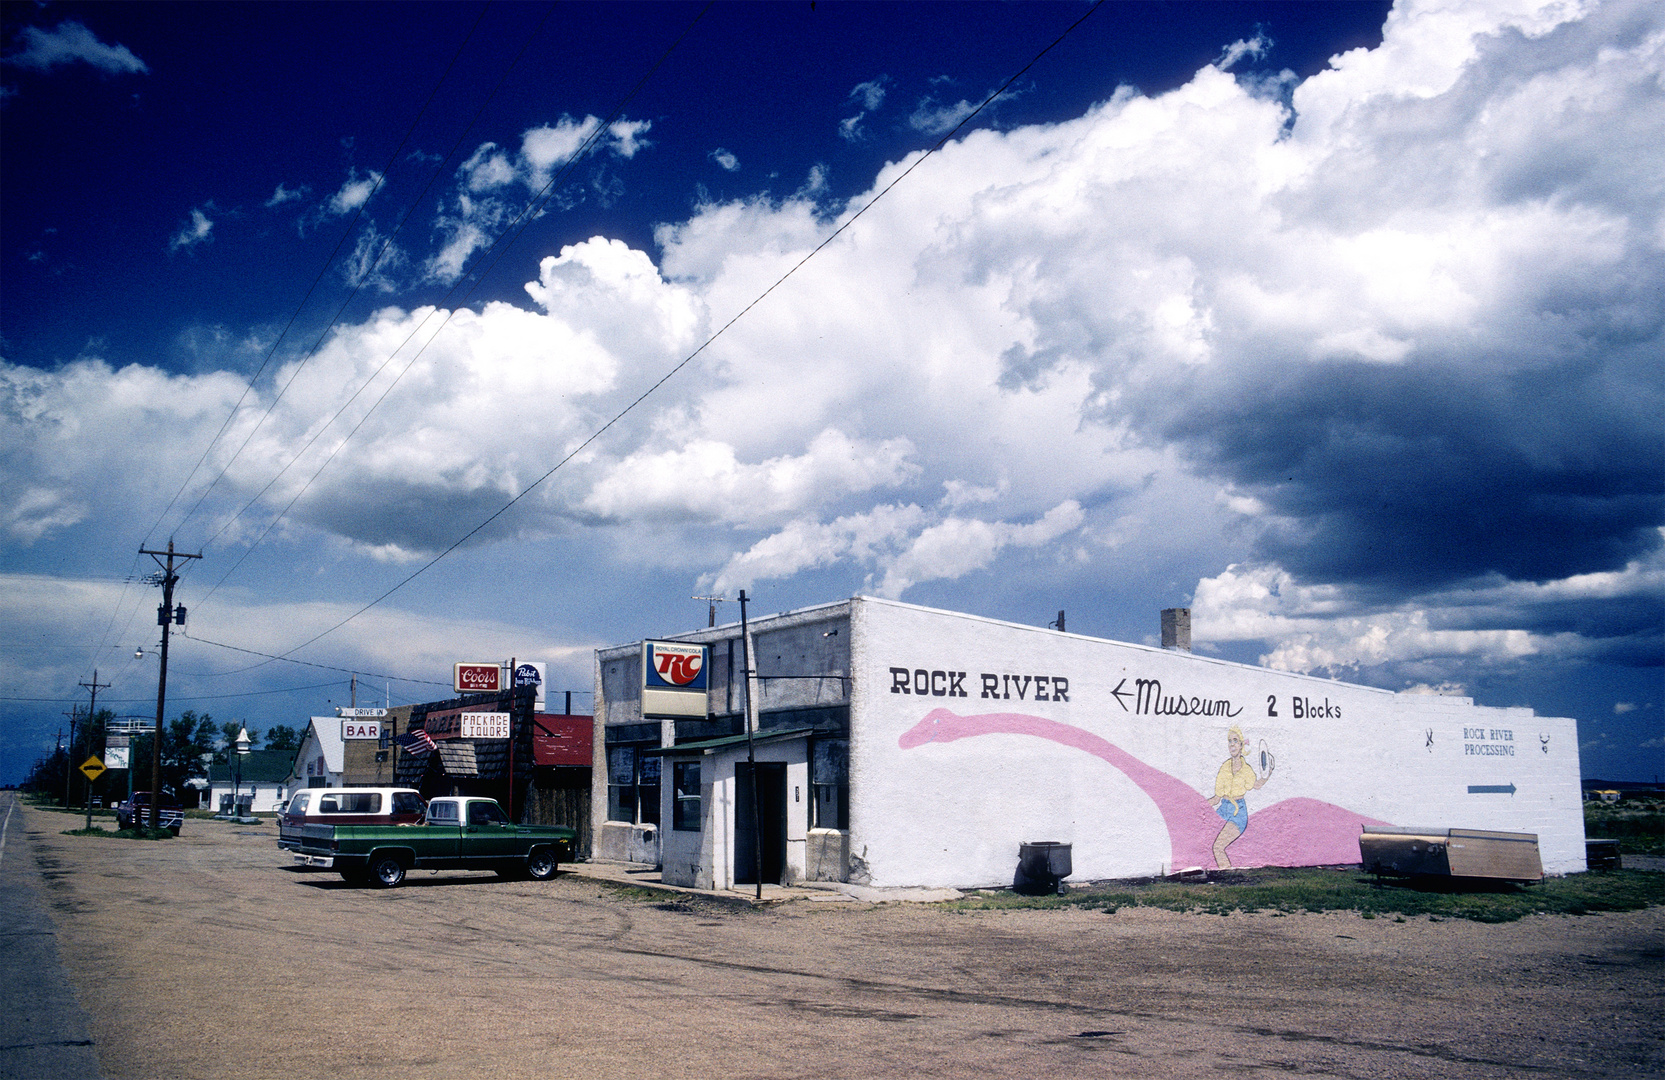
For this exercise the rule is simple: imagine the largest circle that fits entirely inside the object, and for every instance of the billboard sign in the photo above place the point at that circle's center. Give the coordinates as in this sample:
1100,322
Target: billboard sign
477,678
528,673
674,679
485,725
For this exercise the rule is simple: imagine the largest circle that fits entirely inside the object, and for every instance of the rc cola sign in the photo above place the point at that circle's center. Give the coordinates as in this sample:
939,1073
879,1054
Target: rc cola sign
674,679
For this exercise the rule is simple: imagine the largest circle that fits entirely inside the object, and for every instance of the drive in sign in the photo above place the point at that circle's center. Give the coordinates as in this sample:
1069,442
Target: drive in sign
477,678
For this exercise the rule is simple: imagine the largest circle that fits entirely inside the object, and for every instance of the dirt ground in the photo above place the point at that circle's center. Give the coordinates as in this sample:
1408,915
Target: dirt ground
207,956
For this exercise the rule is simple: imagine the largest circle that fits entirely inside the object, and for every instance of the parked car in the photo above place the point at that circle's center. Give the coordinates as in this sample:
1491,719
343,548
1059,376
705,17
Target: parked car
138,805
347,806
458,834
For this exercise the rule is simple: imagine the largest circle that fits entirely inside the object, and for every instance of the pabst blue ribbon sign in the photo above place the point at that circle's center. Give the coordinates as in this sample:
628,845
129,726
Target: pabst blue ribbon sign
674,679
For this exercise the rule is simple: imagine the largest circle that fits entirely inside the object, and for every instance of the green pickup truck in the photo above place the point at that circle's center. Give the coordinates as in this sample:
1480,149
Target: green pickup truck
456,834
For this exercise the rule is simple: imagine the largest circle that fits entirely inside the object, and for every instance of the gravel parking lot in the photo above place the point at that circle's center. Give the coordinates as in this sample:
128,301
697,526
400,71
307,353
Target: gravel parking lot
209,956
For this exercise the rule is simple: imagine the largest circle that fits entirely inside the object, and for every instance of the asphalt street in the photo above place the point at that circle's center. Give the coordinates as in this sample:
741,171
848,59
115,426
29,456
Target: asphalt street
43,1029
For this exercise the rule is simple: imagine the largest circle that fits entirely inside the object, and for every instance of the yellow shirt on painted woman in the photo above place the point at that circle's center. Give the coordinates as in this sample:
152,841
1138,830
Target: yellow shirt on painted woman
1234,785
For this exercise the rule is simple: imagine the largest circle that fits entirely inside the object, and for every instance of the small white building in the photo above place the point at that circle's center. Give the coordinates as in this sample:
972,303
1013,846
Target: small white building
897,746
321,760
262,778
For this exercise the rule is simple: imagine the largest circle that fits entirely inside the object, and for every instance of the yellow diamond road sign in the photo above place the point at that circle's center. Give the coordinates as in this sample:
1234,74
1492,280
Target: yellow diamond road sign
93,767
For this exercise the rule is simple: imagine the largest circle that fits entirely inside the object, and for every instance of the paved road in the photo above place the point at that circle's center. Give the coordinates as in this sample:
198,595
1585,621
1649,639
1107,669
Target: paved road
43,1030
251,970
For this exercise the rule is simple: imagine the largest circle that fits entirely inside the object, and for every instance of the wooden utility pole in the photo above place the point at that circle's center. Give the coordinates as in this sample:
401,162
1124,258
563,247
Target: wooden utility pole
751,745
166,615
92,715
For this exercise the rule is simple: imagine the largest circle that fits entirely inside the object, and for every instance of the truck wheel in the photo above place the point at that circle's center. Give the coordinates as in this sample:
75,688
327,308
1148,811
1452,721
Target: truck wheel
541,864
386,871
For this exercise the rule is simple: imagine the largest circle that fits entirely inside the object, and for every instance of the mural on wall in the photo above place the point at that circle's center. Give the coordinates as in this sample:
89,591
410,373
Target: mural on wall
1293,832
1232,785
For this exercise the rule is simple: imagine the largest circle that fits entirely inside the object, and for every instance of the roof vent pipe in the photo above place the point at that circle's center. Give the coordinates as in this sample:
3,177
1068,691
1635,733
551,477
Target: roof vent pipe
1176,628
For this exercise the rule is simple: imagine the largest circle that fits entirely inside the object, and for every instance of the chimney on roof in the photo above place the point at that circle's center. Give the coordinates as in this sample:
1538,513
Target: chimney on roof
1176,628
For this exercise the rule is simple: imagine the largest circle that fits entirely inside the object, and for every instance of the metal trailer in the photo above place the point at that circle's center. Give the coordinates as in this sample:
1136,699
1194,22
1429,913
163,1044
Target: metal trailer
1465,853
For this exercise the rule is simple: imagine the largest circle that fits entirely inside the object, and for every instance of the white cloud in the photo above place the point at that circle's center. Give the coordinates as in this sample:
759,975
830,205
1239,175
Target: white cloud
935,119
1376,330
1622,707
198,230
703,480
870,95
1256,47
627,136
482,205
285,195
71,42
727,160
1333,628
957,546
354,193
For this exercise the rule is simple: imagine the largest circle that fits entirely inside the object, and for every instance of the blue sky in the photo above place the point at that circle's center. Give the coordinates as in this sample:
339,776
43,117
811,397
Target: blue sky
1339,323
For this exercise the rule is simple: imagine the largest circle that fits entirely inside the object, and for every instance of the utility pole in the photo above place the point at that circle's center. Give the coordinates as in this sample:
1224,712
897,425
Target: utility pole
751,744
711,617
167,615
92,714
69,758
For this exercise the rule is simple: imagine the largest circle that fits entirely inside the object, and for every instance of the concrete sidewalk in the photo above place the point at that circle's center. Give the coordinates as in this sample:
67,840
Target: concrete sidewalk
826,892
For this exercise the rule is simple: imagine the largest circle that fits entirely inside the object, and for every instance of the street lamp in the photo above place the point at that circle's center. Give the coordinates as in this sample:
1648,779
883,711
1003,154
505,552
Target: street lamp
237,785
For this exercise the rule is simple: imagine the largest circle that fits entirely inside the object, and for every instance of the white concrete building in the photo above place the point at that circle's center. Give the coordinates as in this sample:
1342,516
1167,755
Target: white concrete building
904,746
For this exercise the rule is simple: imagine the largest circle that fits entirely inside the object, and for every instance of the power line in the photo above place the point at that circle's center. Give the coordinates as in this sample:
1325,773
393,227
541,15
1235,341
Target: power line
323,270
365,277
473,282
938,145
306,663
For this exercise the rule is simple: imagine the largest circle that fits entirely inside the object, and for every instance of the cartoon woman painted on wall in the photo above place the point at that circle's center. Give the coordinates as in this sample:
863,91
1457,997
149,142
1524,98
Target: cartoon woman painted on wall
1235,780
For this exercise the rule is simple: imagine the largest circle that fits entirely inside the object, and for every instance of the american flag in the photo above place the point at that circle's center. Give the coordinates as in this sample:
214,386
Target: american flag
416,743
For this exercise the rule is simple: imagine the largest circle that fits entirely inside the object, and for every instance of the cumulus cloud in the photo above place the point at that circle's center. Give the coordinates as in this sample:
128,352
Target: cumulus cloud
1404,320
956,546
199,230
1339,629
70,42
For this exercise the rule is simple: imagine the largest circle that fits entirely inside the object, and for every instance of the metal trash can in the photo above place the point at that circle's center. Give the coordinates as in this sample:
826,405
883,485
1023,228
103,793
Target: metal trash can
1042,867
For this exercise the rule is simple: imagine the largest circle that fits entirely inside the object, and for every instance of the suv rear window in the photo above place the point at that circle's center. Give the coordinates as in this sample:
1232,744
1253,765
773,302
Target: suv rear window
297,805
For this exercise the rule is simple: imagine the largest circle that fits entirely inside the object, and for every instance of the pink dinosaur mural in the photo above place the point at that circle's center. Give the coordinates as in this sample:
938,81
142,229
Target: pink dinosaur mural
1294,832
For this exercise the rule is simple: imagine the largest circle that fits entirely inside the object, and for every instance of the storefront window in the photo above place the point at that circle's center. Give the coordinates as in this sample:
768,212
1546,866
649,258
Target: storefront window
632,784
685,814
830,783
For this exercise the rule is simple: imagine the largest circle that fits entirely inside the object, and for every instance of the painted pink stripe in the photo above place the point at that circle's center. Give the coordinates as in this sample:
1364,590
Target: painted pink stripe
1291,833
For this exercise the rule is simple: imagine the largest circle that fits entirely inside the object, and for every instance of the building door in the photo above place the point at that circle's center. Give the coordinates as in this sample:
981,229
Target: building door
771,812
